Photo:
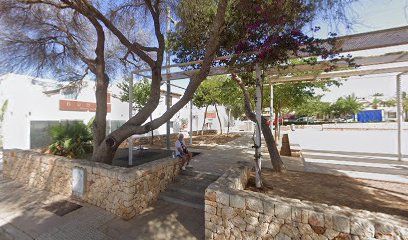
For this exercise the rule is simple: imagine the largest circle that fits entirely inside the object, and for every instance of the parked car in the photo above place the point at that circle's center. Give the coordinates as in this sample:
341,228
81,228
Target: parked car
274,121
305,119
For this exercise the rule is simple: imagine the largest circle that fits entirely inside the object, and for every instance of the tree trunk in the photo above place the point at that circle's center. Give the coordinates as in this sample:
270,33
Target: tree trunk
205,116
99,126
229,118
107,148
276,160
276,126
218,116
151,119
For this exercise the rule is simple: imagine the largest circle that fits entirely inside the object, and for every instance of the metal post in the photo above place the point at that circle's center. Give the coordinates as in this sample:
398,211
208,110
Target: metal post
130,116
399,116
168,99
258,111
191,122
271,110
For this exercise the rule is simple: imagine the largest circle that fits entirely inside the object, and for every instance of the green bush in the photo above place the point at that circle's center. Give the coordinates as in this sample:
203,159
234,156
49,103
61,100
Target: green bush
71,140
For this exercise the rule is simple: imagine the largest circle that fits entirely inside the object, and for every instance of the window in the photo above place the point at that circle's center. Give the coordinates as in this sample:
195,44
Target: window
392,114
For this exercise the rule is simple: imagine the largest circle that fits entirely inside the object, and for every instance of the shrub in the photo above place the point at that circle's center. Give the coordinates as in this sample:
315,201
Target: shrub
70,140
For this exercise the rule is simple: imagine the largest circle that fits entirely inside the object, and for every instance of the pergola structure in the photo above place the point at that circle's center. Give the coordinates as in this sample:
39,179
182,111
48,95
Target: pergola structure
379,64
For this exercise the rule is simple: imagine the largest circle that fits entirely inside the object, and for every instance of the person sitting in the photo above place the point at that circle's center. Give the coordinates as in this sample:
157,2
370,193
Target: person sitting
182,152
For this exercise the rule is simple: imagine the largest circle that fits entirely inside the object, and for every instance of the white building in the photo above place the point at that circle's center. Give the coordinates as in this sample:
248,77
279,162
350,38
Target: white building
211,120
389,113
36,104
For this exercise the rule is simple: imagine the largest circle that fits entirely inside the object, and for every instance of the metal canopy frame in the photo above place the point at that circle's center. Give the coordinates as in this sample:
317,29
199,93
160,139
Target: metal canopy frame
351,43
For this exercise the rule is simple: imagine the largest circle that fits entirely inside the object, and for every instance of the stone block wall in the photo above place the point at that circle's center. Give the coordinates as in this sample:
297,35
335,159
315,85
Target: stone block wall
122,191
234,213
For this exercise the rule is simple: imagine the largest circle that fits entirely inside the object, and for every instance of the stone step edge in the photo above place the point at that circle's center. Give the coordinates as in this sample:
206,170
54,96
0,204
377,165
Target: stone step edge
181,179
181,202
177,189
206,175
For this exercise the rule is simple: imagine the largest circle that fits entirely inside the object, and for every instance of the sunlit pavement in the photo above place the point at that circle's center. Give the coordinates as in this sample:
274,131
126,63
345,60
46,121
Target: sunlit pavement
22,215
356,154
368,154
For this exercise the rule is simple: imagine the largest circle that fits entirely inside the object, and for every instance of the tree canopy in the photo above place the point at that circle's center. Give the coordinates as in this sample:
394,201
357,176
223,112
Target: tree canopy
69,36
345,106
209,92
141,91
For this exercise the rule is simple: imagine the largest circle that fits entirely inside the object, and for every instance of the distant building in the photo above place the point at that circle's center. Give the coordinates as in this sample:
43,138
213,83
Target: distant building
389,113
36,104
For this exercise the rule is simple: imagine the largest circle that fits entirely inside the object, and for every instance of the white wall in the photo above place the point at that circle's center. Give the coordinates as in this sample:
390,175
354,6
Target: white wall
198,117
27,102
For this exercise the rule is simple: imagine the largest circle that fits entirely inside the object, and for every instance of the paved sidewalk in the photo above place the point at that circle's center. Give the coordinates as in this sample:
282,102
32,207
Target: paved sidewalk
22,215
358,154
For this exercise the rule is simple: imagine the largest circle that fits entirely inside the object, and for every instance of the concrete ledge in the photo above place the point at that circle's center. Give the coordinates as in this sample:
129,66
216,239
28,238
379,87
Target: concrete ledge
122,191
364,126
234,213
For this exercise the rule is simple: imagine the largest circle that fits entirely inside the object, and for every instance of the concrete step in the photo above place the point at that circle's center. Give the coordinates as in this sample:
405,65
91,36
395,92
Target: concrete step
184,198
188,189
200,175
189,186
188,182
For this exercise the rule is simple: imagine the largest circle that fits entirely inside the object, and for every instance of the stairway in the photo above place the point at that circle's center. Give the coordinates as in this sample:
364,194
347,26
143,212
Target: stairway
188,189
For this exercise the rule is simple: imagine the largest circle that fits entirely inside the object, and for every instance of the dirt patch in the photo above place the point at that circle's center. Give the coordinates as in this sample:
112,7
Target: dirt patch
198,141
62,207
214,139
370,195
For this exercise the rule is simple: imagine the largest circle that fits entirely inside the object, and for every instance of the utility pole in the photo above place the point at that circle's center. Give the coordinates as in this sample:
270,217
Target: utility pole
258,132
130,116
168,96
399,117
191,122
271,118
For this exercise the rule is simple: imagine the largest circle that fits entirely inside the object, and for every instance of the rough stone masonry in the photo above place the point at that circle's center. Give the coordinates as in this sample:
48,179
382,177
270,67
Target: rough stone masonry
122,191
234,213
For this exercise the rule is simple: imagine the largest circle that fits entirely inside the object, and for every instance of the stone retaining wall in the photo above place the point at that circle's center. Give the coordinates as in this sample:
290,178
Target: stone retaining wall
122,191
234,213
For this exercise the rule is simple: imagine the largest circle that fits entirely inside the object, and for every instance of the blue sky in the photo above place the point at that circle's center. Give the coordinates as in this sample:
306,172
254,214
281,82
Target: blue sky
368,15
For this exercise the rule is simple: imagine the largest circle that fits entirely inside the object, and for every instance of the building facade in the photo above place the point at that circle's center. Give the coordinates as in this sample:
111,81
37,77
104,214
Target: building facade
34,105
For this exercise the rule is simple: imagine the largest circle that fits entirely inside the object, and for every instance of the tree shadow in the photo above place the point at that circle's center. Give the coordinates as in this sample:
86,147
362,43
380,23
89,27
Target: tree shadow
389,198
162,220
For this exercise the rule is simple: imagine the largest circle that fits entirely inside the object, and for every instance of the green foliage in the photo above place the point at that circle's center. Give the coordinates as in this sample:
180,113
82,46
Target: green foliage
3,111
232,98
405,102
375,103
209,92
313,107
348,105
389,103
269,30
141,92
287,97
71,140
